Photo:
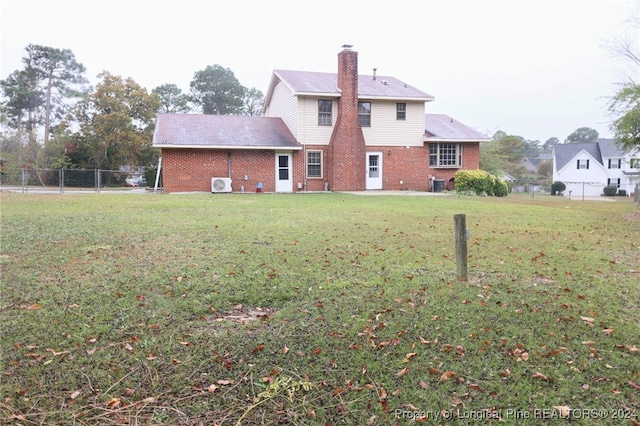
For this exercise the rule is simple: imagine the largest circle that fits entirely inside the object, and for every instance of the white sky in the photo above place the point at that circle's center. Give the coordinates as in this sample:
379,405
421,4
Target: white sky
536,69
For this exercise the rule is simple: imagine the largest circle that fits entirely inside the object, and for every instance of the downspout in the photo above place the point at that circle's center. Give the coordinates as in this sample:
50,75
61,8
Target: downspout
229,164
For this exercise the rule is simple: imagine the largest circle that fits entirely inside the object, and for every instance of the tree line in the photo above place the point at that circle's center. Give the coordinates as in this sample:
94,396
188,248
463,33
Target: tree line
50,117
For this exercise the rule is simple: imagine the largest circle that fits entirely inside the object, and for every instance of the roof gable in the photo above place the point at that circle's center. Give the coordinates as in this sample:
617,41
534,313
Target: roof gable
442,127
564,153
222,131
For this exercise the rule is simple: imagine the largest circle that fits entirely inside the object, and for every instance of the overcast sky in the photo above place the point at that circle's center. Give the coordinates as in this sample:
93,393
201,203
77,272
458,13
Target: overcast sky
536,69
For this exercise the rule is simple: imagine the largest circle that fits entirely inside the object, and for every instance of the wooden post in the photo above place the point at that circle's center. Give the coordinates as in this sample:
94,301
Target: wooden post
461,246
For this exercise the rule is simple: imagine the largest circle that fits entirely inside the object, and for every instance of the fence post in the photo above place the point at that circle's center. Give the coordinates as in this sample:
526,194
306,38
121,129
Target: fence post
23,180
460,230
61,179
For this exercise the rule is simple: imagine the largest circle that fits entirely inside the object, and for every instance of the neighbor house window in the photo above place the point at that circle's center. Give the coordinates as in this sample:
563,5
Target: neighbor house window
364,113
634,163
445,155
314,164
614,163
613,182
324,112
583,164
401,111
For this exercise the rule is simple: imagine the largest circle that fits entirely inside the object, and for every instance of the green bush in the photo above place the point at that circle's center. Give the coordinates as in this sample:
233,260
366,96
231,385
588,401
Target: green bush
479,182
557,187
500,188
622,192
610,190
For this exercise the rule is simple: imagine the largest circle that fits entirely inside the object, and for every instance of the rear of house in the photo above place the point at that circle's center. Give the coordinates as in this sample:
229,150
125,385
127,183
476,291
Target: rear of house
320,131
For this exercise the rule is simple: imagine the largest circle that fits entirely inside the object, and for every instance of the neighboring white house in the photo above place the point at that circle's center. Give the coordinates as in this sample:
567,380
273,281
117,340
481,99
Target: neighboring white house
586,168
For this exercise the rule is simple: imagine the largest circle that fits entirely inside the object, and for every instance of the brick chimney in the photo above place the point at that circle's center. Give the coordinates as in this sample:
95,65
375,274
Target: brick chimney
347,154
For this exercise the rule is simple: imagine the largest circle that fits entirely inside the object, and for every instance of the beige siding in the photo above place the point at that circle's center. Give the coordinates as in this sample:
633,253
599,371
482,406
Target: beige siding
386,130
310,133
284,105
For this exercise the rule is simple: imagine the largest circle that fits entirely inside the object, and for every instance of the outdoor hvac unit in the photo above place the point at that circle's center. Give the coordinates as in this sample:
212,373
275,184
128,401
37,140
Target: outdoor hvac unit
220,184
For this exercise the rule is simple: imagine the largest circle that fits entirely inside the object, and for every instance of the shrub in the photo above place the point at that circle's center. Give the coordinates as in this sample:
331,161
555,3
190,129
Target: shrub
500,188
557,187
610,190
479,182
622,192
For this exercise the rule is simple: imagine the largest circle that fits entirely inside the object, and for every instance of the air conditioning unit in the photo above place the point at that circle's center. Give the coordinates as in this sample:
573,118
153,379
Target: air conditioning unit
220,184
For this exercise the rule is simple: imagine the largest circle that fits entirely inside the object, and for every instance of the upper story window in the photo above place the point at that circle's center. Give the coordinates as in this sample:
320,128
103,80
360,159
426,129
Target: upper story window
445,155
314,164
583,164
364,113
614,163
634,163
325,108
401,111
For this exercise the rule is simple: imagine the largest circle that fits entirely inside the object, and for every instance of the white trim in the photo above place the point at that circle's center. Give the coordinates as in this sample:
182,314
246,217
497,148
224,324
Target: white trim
243,148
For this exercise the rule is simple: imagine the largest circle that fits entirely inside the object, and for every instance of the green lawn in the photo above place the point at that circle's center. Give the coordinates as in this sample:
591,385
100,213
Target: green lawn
322,308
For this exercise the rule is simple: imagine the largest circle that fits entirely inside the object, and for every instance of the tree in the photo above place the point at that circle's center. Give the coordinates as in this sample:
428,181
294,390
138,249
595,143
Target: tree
583,135
22,101
172,100
61,77
625,104
217,91
116,123
504,153
253,102
548,145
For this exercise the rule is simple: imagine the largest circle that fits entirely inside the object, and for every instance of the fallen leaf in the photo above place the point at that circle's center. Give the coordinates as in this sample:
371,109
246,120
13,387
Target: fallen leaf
506,373
33,307
337,391
423,385
212,388
634,385
563,410
447,375
587,319
225,382
286,349
403,371
75,394
540,376
258,348
608,330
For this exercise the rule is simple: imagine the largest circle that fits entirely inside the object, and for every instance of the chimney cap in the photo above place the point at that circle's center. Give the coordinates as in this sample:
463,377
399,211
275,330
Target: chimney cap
347,46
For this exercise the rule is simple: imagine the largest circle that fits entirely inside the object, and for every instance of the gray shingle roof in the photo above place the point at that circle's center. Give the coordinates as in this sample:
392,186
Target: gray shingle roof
327,83
565,152
604,148
441,126
222,131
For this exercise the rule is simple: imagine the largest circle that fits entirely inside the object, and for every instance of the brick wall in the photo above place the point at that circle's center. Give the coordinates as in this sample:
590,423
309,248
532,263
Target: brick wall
186,170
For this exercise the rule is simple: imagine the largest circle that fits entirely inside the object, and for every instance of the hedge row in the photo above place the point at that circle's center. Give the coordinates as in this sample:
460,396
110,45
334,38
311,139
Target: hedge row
480,182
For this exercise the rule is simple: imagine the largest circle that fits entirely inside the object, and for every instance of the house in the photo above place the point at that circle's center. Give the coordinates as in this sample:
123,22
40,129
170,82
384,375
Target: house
318,132
586,168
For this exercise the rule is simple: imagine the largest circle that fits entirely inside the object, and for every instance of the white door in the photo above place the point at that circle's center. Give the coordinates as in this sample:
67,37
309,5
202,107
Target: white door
284,180
374,170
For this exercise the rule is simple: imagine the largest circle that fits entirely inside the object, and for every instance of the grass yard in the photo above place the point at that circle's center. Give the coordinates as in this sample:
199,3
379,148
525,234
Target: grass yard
314,309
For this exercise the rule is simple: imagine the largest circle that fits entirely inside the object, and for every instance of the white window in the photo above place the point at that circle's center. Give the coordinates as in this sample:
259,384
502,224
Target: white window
614,163
445,155
613,182
324,112
364,114
314,164
583,164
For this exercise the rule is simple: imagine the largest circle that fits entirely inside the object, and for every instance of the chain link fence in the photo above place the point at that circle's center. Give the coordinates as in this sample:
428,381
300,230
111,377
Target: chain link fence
61,180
